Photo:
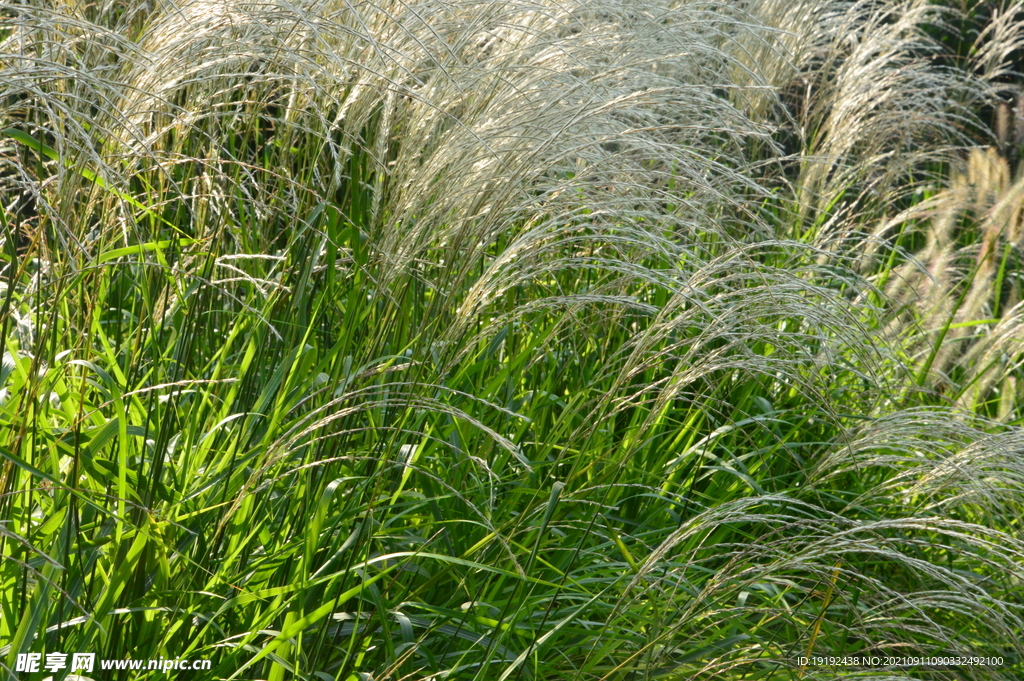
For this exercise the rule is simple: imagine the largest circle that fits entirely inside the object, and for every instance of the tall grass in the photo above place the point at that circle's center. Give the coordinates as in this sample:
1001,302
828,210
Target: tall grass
508,340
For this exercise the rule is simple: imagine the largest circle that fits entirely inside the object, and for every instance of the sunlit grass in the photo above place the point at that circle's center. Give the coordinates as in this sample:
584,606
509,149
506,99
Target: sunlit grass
507,340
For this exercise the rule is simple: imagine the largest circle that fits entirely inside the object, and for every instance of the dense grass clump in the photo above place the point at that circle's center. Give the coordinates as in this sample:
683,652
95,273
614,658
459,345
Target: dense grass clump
511,340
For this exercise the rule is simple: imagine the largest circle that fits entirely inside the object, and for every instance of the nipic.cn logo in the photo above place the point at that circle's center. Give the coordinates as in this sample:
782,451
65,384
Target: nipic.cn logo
32,663
54,662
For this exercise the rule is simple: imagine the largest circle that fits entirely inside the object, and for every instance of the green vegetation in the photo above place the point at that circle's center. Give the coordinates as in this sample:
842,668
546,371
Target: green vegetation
511,340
